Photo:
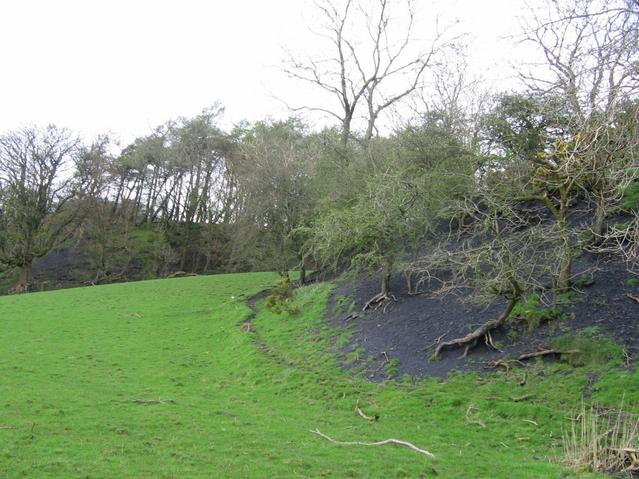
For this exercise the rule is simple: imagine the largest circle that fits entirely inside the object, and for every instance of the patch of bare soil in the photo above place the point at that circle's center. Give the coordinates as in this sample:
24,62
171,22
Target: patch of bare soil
408,329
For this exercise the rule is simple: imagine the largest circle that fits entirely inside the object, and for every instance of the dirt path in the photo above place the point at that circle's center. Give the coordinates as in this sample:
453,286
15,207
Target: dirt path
249,328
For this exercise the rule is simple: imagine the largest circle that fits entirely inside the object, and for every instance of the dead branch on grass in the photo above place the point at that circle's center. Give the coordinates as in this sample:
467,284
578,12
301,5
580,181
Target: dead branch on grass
479,422
506,363
521,398
153,401
398,442
364,416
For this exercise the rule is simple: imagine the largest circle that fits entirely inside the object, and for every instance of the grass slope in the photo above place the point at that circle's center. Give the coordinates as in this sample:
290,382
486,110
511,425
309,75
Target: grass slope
73,364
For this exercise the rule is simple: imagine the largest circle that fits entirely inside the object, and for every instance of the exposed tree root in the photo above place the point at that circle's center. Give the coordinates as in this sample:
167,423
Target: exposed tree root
379,443
377,299
470,340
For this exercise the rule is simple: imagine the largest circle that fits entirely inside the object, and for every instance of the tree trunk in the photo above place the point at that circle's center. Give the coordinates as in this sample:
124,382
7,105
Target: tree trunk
565,265
25,279
409,281
600,218
386,277
302,274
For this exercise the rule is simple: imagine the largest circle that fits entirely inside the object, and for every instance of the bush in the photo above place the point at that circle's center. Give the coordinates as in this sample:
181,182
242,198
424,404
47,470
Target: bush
281,299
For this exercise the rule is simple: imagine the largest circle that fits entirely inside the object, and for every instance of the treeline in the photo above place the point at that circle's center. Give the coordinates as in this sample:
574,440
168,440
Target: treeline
473,190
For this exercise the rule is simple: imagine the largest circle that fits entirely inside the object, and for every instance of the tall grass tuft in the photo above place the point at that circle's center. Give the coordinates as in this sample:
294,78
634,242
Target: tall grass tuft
603,440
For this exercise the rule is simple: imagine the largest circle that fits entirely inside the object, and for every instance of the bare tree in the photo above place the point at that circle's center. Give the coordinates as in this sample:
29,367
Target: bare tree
506,252
35,187
377,69
591,58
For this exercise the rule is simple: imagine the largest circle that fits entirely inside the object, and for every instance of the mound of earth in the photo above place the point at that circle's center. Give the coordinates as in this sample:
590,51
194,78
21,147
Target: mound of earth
407,329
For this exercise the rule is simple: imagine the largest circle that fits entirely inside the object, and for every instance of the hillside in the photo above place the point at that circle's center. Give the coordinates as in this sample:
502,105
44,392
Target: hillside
162,379
596,315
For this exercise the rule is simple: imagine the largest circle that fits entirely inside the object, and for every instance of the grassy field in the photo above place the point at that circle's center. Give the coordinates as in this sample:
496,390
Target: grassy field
157,379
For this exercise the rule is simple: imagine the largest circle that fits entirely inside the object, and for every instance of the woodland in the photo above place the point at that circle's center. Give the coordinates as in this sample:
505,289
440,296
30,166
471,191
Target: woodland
497,192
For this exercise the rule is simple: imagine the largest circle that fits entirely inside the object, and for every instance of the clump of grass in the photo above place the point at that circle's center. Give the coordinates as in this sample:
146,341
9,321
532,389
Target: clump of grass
603,440
532,312
594,348
392,367
344,305
355,355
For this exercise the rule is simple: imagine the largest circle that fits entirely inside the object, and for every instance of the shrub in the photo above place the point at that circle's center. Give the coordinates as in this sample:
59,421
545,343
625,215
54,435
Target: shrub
281,299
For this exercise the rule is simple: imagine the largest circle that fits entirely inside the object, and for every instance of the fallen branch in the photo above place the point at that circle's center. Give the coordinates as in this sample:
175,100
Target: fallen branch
495,363
506,363
471,339
479,422
545,352
523,380
521,398
361,413
379,443
350,316
153,401
634,298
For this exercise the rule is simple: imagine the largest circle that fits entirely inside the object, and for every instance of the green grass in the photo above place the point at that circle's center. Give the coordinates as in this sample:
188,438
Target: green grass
594,348
73,362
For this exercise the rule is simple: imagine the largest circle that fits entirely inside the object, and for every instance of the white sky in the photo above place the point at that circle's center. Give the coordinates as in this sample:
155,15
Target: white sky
125,66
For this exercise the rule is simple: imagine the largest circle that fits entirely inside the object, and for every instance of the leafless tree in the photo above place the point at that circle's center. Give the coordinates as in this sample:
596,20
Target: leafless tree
377,69
591,58
505,252
35,184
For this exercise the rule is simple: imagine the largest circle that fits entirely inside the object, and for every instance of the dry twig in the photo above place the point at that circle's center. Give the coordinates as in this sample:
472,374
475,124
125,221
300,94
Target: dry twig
153,401
634,298
473,421
364,416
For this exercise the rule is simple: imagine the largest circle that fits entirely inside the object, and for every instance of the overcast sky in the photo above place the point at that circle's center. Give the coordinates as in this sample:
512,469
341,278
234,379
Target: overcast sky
125,66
